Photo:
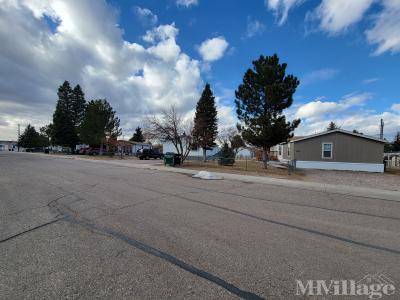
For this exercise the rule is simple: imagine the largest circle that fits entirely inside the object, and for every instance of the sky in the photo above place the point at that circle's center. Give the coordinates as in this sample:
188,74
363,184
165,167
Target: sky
145,55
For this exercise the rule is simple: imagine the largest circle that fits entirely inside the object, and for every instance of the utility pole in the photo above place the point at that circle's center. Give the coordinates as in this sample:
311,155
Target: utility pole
381,131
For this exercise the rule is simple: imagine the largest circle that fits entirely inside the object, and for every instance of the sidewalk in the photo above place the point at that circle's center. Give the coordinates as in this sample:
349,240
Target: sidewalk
313,186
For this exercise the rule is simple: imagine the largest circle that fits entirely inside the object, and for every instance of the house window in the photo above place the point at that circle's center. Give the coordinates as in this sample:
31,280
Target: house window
280,150
327,150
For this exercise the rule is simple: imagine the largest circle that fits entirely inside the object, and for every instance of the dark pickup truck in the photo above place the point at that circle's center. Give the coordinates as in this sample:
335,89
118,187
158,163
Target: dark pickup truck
149,153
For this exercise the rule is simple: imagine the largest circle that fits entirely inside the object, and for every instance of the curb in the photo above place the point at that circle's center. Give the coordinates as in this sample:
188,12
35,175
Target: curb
364,192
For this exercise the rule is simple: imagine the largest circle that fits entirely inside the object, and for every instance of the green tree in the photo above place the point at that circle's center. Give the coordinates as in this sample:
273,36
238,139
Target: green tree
100,123
30,138
237,142
64,131
260,100
396,142
226,155
78,104
47,133
205,129
388,147
68,116
137,136
332,126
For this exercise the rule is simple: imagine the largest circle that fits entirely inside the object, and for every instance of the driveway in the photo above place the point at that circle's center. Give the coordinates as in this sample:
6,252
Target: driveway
78,229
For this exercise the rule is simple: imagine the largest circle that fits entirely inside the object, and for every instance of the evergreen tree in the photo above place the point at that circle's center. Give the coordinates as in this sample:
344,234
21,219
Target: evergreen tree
205,121
100,123
30,138
265,92
68,116
226,155
332,126
396,142
137,136
64,131
388,147
78,104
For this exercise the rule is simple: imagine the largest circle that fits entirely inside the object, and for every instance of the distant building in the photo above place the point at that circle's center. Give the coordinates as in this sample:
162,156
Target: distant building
336,150
193,154
130,148
8,146
392,159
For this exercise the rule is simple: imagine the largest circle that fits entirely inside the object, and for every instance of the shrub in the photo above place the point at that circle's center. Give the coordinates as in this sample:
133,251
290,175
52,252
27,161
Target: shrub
226,156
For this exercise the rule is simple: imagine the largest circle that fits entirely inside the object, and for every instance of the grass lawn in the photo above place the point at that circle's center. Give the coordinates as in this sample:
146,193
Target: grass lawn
249,167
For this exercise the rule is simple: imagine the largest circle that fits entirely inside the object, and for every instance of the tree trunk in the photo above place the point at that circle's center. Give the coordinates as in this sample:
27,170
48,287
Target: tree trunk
204,154
101,149
265,158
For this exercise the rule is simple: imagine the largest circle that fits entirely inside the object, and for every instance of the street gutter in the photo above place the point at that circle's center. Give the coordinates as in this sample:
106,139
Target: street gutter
295,184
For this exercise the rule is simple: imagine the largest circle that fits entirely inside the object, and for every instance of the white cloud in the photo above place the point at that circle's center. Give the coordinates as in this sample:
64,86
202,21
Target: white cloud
318,75
146,16
348,112
161,33
370,80
363,121
336,16
396,107
87,47
3,123
187,3
386,30
281,8
316,109
254,27
213,49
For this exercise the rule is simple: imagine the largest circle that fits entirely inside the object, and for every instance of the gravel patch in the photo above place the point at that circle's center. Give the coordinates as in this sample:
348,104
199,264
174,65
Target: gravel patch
372,180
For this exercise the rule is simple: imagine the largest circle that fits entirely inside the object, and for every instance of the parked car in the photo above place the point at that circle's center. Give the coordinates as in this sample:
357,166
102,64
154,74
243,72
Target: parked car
149,153
36,149
93,151
84,151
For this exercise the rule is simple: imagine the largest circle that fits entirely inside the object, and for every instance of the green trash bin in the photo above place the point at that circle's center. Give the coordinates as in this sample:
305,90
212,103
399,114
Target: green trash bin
169,159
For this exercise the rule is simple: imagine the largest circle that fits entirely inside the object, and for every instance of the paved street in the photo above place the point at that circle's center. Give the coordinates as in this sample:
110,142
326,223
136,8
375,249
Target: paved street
76,229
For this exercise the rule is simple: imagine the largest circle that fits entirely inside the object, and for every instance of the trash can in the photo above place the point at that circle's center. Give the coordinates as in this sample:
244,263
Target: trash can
169,159
177,159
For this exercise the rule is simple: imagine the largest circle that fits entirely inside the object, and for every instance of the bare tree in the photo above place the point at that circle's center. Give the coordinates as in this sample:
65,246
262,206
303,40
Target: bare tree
226,134
231,137
170,126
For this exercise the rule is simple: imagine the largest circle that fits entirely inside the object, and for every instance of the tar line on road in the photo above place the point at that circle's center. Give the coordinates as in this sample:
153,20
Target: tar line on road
29,230
169,258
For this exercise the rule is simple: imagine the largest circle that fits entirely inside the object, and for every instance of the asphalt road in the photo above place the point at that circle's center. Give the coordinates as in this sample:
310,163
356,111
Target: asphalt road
76,229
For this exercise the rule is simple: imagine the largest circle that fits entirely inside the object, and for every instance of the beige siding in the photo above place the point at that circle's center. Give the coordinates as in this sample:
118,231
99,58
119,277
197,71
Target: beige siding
346,148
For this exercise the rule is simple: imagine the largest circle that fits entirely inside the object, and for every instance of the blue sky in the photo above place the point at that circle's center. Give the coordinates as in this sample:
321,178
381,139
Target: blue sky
144,55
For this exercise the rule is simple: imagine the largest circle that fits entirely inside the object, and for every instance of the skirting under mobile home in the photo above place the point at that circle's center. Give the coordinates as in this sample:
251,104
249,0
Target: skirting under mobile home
342,166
